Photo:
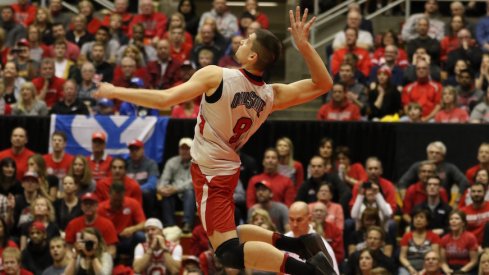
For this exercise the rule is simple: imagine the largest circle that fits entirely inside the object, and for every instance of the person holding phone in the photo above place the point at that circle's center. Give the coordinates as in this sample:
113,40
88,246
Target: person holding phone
90,255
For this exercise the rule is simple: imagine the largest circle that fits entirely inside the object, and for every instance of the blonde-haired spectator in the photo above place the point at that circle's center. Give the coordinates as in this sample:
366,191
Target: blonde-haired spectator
28,104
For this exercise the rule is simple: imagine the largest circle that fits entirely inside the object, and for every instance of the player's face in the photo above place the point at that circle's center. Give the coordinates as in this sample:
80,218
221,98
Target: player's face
244,49
299,222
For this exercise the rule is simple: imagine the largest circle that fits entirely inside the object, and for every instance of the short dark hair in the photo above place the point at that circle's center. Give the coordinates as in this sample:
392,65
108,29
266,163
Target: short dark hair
60,134
118,159
268,47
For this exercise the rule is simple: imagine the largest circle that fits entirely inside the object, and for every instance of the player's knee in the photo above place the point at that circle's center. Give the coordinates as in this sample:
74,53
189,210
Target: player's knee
231,254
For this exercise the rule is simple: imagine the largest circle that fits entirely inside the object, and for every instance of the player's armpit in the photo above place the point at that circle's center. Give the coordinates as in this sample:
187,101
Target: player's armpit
287,95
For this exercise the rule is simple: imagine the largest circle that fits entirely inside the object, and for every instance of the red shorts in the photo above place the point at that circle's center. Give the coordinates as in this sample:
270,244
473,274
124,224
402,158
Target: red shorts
215,202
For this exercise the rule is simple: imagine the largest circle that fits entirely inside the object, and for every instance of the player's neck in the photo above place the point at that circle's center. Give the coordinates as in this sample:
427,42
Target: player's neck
251,72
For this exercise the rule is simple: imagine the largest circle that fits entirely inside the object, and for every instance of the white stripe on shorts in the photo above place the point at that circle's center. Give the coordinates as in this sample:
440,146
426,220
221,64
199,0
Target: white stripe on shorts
203,205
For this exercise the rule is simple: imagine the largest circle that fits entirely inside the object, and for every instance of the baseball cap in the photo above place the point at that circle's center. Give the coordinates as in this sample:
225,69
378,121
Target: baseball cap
135,143
267,184
23,43
105,102
137,82
30,174
89,197
153,222
100,136
185,141
37,225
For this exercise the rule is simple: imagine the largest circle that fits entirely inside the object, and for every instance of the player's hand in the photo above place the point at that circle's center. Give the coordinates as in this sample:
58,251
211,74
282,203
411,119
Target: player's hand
299,28
104,90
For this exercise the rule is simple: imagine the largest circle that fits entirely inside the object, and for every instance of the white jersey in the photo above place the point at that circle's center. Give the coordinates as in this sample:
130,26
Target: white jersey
227,119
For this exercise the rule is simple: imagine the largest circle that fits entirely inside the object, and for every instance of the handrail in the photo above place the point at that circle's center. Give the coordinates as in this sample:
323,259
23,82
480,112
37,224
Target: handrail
370,16
107,4
70,7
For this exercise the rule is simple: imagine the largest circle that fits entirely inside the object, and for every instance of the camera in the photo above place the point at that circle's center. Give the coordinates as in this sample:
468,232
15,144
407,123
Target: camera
89,245
367,185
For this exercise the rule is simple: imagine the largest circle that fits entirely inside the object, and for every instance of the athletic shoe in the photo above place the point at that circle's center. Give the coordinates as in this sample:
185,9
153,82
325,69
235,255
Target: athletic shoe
313,243
322,264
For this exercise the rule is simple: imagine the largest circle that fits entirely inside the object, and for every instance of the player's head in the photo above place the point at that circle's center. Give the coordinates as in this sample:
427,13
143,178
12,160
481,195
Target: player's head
261,49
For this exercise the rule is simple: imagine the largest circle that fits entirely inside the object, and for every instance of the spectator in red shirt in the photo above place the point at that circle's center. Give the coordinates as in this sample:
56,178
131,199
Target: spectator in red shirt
121,9
177,20
483,158
164,72
449,112
180,50
58,162
99,161
339,108
478,212
251,6
127,216
49,87
11,262
59,33
86,9
423,91
25,12
351,173
90,218
458,248
363,63
129,71
118,174
154,22
282,187
18,152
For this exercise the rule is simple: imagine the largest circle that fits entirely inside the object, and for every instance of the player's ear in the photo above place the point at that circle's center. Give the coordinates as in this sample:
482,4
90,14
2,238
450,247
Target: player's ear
253,57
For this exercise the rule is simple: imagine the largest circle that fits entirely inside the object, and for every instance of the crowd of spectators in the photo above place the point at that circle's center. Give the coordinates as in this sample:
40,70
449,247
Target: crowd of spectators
102,214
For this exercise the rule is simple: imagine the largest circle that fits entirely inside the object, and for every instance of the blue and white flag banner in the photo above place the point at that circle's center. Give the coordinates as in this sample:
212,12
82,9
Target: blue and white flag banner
120,130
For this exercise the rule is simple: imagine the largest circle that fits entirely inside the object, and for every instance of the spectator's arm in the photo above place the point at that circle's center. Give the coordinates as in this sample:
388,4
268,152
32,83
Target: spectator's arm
384,207
150,184
141,259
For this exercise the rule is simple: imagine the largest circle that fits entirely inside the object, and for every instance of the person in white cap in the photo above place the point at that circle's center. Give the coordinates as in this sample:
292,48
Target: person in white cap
176,184
235,103
157,255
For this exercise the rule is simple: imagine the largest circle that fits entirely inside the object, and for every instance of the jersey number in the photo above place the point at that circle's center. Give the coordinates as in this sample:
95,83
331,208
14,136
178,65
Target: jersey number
242,125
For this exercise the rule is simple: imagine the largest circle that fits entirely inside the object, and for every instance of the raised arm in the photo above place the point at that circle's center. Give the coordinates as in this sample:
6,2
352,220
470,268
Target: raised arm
287,95
205,80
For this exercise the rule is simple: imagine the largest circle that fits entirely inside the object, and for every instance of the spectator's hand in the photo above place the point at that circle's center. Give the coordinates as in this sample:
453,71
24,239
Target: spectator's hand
126,233
104,90
412,271
352,96
167,190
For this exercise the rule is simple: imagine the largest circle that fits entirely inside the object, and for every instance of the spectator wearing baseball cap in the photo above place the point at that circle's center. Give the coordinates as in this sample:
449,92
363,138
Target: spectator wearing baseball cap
131,109
36,256
90,218
176,184
145,171
147,254
99,161
105,107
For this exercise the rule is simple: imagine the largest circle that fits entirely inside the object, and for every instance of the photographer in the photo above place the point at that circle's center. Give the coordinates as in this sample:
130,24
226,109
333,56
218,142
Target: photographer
90,255
157,253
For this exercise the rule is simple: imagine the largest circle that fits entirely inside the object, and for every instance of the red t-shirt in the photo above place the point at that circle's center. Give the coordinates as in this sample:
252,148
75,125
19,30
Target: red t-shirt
100,169
178,111
25,14
22,272
104,225
470,173
133,190
58,169
476,219
131,214
282,189
428,95
154,24
348,111
457,250
431,237
456,115
55,89
363,64
20,160
416,194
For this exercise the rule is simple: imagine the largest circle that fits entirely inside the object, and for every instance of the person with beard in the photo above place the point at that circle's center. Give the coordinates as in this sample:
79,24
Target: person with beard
423,91
478,212
36,256
468,94
278,211
14,30
339,108
58,251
